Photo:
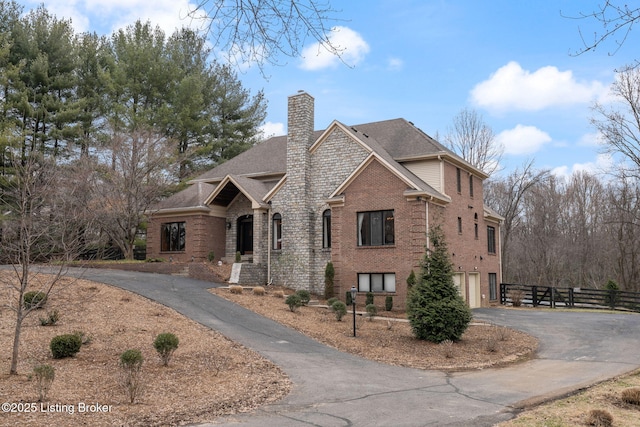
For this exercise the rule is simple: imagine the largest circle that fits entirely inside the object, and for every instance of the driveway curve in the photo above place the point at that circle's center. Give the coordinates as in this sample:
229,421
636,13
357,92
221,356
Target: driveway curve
332,388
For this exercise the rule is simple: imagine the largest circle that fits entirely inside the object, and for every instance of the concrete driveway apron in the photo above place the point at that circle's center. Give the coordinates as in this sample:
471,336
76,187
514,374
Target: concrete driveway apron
332,388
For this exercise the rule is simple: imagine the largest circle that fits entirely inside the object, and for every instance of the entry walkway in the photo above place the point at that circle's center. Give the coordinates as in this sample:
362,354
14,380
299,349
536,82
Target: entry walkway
332,388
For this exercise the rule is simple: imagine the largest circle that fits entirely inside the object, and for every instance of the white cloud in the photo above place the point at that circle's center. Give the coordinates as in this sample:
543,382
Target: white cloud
512,87
590,140
395,64
89,15
522,140
602,164
350,44
270,129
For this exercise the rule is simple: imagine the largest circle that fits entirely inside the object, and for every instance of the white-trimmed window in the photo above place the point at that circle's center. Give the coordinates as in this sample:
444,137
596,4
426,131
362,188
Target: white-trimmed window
376,228
277,231
376,282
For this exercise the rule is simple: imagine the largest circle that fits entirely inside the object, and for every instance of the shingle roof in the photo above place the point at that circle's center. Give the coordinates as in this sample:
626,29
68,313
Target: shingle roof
192,196
392,140
401,139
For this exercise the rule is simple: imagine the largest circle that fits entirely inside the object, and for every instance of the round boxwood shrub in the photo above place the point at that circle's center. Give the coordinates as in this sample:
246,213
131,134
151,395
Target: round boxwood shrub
65,345
165,344
34,299
131,360
293,301
331,300
305,296
340,309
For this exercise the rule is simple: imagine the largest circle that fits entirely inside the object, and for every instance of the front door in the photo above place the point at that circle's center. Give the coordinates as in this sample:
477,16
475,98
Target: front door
245,235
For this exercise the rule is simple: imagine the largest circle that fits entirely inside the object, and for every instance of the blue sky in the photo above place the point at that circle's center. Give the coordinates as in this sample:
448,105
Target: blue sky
424,61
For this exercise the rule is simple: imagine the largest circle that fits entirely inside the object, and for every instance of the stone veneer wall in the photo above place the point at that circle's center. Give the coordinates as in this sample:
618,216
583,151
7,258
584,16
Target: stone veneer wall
292,201
331,164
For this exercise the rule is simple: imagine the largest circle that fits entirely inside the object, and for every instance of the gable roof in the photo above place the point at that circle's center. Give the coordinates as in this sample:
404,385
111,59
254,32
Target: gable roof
232,185
392,142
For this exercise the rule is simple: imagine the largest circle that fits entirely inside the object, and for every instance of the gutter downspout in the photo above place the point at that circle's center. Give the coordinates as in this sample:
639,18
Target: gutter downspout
269,245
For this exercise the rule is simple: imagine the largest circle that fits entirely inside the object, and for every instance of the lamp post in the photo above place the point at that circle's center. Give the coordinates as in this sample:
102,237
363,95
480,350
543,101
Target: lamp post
354,291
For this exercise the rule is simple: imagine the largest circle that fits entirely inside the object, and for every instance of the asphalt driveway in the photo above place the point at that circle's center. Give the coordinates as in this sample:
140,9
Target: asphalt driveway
332,388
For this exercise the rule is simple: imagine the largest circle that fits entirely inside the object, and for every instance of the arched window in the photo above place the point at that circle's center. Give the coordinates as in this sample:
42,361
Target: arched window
277,231
326,228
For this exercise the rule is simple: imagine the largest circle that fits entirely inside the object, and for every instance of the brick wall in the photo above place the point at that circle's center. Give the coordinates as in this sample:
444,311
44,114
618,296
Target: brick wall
203,234
468,253
376,188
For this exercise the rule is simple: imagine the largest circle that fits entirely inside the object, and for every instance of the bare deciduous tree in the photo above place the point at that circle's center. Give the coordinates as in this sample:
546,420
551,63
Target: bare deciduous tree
617,20
257,31
474,141
39,225
505,196
122,192
619,124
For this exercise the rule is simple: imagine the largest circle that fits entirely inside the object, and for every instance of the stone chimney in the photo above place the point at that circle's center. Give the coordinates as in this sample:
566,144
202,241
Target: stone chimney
297,220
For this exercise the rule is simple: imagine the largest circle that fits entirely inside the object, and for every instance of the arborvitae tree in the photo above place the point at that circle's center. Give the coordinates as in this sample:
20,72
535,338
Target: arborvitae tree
329,274
435,309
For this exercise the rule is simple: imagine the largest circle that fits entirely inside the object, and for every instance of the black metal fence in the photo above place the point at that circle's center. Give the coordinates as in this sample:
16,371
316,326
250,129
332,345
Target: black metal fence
553,297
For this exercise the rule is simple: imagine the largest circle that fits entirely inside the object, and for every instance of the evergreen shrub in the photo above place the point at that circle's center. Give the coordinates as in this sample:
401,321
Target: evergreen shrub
165,344
340,309
435,309
305,296
66,345
34,299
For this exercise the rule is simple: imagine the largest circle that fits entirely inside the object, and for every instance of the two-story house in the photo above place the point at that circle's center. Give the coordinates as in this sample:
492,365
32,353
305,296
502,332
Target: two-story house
363,197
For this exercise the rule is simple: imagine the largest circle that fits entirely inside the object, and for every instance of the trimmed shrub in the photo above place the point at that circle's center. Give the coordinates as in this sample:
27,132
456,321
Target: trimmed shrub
165,344
388,303
258,290
65,345
369,299
238,257
293,301
330,301
305,296
599,418
329,274
211,256
131,381
51,319
44,375
278,294
34,299
235,289
631,395
340,309
372,310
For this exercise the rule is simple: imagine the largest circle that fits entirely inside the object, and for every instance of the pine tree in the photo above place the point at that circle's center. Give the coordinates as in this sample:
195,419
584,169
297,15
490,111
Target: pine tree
435,309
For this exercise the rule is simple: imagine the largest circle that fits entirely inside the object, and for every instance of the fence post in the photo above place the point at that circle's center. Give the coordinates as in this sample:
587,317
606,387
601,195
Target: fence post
534,295
571,297
553,297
